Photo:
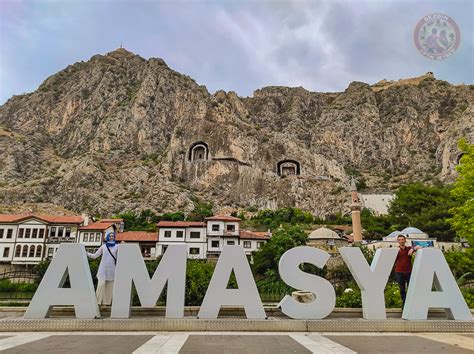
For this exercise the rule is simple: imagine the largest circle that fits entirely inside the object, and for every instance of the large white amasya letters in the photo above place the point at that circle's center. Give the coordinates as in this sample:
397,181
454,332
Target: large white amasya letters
131,269
70,259
371,280
430,268
292,275
217,294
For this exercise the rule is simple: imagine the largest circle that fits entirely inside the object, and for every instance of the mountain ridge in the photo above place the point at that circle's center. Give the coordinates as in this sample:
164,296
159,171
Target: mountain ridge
116,132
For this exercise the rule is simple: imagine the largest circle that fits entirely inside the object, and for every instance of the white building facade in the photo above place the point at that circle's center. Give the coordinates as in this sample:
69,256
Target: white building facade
206,239
189,233
26,238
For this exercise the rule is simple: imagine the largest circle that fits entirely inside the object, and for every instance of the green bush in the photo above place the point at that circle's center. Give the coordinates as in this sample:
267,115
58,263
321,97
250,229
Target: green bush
469,297
460,262
7,286
350,297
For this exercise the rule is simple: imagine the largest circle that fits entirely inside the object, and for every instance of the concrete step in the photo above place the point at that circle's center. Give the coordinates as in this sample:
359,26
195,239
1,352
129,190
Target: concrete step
226,311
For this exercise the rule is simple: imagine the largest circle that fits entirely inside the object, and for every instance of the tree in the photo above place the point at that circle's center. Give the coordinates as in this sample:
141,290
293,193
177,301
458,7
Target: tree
284,216
425,207
463,191
176,216
269,255
375,226
201,210
143,221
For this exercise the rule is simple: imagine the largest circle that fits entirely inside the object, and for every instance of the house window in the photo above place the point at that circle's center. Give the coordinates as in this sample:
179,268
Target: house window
27,233
247,244
231,243
215,244
86,237
20,233
24,252
195,234
194,250
60,231
1,233
6,252
50,252
41,233
17,251
167,233
179,234
230,227
68,232
215,227
260,244
52,232
39,250
9,233
97,237
32,252
35,233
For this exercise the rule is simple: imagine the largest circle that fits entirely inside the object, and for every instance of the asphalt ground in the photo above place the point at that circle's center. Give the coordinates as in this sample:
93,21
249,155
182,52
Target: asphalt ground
236,342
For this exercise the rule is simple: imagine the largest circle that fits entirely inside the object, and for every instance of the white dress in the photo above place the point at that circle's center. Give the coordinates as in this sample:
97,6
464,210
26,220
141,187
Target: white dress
105,274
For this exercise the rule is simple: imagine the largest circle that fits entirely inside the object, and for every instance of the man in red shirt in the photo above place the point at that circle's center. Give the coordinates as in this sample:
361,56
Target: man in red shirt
403,265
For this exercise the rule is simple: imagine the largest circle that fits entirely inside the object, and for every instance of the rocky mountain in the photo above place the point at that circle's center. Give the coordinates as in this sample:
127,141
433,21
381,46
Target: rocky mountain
120,132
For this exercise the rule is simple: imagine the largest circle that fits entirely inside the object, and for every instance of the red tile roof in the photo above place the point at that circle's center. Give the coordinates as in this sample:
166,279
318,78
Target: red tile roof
111,220
101,226
13,218
137,236
62,219
254,235
181,224
223,218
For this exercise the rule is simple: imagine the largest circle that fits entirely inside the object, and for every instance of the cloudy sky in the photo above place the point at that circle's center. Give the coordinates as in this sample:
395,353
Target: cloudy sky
233,45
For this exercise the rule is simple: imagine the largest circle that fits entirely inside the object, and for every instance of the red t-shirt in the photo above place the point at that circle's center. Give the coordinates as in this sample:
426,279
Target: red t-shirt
403,261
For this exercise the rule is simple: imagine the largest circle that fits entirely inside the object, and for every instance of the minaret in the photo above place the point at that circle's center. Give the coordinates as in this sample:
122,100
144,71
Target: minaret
356,206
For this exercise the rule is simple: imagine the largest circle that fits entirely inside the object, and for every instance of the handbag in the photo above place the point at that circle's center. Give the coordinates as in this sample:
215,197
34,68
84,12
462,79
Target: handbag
108,249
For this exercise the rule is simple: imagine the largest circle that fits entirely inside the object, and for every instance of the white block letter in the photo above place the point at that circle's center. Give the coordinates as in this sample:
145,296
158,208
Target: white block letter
292,275
70,259
371,280
217,294
131,269
430,268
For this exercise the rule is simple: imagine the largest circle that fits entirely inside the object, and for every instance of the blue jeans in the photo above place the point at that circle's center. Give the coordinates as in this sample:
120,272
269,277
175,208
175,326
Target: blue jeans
402,279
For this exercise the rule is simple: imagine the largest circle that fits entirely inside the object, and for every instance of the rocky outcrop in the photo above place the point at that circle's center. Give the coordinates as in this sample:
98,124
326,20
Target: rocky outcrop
115,133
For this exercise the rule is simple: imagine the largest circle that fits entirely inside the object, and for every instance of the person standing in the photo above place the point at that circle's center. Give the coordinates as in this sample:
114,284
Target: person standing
106,272
403,265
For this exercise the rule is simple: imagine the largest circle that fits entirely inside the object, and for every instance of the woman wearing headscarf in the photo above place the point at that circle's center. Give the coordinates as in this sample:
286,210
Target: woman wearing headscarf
106,272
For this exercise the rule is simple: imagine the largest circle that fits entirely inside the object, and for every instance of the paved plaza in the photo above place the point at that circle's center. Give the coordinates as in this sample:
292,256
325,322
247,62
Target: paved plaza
236,342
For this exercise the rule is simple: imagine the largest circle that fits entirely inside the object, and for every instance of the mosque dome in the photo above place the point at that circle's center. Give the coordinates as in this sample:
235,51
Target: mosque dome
322,233
411,231
394,234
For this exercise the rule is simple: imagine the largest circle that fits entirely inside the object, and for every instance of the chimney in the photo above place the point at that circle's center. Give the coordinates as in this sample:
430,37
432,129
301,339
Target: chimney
86,219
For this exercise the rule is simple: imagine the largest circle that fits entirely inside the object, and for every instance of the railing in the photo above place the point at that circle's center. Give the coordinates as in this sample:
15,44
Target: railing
468,284
18,285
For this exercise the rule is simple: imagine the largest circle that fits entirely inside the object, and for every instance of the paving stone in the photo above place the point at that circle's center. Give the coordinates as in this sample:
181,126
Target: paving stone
79,344
396,344
211,344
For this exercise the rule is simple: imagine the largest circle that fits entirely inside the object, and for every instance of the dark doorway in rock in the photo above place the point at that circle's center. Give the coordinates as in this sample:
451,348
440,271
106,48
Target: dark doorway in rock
288,168
199,151
458,158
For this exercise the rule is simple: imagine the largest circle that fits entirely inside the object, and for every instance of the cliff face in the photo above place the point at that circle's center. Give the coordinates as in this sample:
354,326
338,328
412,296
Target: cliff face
116,133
